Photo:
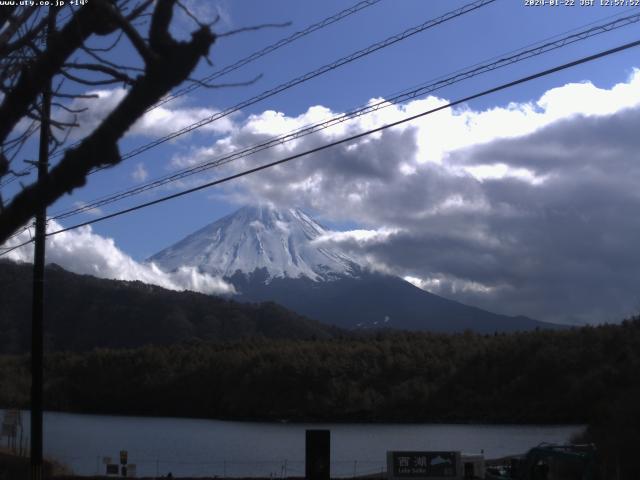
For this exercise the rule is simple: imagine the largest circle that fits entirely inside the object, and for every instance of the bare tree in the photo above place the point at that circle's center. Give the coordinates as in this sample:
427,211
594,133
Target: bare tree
27,64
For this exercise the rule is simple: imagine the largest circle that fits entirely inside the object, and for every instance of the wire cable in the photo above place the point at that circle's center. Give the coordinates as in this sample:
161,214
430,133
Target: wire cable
351,138
242,62
527,46
461,75
327,21
271,48
11,249
306,77
309,75
20,231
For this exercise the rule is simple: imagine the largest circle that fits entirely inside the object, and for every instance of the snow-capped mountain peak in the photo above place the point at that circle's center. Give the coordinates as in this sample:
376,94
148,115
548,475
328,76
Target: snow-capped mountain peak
261,237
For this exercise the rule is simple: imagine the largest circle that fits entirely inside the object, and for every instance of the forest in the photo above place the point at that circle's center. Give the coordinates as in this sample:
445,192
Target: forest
584,375
568,376
263,362
85,312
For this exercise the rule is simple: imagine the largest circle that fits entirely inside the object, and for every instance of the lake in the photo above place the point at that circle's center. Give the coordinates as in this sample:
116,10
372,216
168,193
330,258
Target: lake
212,447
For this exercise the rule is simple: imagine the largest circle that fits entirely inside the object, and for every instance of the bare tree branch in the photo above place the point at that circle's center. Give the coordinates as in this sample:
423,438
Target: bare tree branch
170,62
14,23
122,77
5,13
139,10
29,36
18,174
70,110
252,29
104,61
225,85
192,16
134,37
76,95
46,65
86,81
109,47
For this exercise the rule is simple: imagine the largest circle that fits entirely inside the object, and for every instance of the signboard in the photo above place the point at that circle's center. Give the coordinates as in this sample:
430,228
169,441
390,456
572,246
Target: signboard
423,465
107,460
113,469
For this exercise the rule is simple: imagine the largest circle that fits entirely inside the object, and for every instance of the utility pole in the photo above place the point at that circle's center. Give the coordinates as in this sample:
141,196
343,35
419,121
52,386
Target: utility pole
37,335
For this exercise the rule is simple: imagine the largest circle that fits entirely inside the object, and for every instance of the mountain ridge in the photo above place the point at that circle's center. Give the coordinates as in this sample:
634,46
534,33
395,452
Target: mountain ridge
259,237
274,255
377,301
84,312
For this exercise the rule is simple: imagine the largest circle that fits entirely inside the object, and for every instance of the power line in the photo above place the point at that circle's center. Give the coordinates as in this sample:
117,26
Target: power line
240,63
503,86
11,249
27,170
545,40
20,232
310,75
461,75
306,77
303,78
271,48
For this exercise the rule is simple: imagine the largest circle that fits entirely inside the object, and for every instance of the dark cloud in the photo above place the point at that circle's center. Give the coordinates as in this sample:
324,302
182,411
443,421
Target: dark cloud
551,231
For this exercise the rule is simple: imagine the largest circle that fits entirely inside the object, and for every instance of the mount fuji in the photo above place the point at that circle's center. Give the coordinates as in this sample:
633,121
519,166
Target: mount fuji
274,255
280,242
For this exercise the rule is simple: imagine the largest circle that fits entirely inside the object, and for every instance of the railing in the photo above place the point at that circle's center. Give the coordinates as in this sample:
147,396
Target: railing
225,468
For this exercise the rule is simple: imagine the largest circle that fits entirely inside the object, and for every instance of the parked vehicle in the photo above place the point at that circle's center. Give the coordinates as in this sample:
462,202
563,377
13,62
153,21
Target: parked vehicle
548,462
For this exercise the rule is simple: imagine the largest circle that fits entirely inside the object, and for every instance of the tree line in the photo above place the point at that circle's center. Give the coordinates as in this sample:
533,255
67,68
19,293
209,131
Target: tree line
85,312
567,376
584,375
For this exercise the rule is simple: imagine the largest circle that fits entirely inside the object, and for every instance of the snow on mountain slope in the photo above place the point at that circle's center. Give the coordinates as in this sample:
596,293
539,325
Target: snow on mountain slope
262,237
270,255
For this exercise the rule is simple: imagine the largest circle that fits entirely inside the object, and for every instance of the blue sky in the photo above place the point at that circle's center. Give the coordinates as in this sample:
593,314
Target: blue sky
493,30
477,36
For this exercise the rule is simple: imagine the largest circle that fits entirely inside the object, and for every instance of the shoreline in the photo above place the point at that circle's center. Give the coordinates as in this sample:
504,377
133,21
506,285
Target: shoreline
312,421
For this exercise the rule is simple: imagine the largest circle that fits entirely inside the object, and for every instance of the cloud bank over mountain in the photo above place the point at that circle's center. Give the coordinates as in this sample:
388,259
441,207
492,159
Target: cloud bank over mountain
82,251
525,208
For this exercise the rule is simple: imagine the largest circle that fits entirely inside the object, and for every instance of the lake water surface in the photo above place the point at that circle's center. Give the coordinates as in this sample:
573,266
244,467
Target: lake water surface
211,447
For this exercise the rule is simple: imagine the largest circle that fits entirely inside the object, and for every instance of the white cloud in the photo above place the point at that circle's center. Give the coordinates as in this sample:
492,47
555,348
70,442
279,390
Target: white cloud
84,252
359,236
448,286
139,173
529,208
157,122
